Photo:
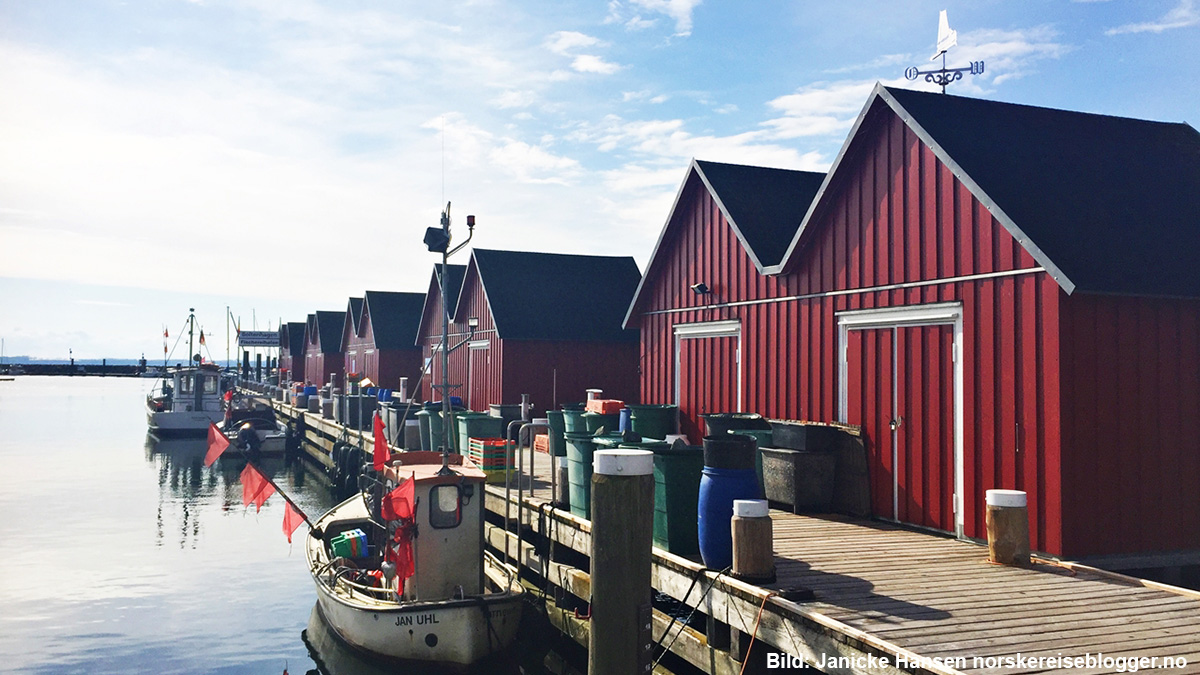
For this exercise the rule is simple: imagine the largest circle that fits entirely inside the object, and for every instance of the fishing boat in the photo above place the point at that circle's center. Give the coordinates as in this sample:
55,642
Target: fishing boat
460,604
187,399
439,598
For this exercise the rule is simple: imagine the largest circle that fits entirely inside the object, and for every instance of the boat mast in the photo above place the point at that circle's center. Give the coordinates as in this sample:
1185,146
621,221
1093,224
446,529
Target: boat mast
191,329
439,242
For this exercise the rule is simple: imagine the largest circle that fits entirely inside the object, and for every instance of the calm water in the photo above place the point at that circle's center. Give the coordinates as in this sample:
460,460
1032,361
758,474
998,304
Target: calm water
124,554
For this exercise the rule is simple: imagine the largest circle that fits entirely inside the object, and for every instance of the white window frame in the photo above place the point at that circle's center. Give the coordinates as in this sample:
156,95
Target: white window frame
710,329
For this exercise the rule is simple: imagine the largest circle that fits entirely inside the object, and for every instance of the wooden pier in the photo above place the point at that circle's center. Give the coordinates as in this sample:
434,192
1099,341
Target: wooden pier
884,599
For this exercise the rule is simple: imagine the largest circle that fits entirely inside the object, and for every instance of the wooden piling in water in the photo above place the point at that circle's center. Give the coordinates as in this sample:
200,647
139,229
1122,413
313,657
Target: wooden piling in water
622,530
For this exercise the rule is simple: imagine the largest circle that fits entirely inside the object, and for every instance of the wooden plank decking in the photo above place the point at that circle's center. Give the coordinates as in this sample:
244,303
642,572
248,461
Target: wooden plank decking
939,597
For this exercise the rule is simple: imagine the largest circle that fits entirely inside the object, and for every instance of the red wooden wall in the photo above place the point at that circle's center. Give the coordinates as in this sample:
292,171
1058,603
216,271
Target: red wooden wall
431,336
385,367
1131,409
896,216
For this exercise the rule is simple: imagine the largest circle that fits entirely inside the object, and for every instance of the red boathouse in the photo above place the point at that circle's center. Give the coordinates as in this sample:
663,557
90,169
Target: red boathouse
323,347
381,343
548,325
1002,296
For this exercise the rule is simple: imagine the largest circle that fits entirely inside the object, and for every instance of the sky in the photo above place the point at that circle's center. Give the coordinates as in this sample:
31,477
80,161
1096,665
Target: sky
263,159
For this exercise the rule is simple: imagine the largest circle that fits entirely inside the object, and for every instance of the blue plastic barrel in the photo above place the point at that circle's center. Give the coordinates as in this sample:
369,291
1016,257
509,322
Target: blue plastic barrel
385,395
456,402
372,391
311,390
623,422
718,489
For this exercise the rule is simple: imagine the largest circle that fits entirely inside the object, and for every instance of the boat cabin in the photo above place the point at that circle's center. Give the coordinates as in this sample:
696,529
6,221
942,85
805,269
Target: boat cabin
448,548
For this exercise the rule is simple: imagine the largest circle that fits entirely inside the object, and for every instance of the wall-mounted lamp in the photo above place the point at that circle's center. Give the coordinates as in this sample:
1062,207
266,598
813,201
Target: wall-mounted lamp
701,288
473,322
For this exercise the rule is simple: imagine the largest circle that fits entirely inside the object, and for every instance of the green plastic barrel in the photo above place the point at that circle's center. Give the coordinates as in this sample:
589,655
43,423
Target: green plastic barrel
423,419
437,430
477,425
597,421
579,473
573,419
653,421
558,443
677,471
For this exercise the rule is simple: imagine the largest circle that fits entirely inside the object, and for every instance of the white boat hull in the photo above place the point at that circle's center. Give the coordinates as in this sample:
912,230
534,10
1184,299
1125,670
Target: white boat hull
453,633
180,423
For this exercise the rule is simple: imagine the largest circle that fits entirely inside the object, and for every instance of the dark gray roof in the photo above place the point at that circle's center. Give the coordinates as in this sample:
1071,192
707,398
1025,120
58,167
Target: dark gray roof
1105,204
292,337
330,325
552,296
1113,202
394,317
454,279
763,205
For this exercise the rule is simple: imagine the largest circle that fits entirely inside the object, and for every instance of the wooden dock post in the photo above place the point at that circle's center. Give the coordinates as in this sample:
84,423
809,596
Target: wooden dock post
1007,527
753,555
622,530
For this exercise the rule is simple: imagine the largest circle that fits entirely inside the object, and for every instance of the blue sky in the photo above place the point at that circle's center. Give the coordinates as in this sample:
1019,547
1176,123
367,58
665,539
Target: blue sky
277,157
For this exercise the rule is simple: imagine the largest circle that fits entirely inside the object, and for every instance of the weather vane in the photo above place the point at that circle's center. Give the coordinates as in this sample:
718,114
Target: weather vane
946,39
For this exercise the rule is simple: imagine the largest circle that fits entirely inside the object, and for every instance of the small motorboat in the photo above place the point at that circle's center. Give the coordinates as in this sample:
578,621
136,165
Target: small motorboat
257,435
251,424
451,604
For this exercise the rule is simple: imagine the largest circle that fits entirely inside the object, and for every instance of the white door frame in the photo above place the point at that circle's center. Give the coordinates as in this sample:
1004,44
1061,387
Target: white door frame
937,314
710,329
472,347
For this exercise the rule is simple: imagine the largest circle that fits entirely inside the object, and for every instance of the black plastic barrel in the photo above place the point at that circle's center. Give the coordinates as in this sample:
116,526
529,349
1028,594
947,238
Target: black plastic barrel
717,424
730,451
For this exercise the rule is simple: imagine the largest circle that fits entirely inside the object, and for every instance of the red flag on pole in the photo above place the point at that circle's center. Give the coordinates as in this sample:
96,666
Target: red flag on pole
382,453
256,489
216,444
291,520
165,332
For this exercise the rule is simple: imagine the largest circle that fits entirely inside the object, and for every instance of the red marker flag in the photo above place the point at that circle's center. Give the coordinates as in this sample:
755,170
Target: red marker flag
256,489
382,453
398,504
216,444
291,520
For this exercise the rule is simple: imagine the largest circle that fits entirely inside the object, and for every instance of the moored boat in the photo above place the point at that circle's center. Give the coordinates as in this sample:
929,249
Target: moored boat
185,402
251,424
187,399
452,604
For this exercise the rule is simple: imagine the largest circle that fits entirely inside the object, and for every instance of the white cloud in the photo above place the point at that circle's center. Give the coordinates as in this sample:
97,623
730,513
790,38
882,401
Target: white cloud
514,99
1007,54
679,10
565,42
624,13
586,63
1182,15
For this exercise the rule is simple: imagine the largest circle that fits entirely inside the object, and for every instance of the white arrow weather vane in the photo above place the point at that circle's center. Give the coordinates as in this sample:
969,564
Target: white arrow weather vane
946,39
